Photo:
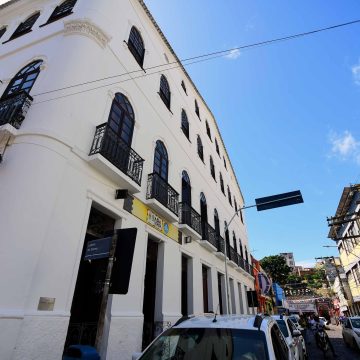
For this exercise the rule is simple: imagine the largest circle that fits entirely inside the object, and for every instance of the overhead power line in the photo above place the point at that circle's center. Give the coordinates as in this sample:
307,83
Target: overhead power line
192,60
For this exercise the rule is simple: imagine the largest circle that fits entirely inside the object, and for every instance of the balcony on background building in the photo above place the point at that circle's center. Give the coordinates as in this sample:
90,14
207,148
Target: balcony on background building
189,221
209,237
162,197
13,110
113,157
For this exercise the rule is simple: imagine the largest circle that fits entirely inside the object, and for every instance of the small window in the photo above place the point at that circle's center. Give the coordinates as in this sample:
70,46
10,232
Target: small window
222,184
217,147
165,93
241,249
236,209
62,10
2,31
208,130
234,242
212,168
183,86
25,26
229,195
197,110
184,123
241,217
200,148
225,162
136,46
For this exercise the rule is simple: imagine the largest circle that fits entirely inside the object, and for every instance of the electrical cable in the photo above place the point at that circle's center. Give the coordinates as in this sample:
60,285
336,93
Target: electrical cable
205,57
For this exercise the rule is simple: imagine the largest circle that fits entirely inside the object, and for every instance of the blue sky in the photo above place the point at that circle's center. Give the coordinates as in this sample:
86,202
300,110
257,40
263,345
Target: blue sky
289,113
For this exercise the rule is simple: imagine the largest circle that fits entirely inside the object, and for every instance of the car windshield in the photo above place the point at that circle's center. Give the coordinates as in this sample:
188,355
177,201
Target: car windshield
293,319
355,323
208,343
283,327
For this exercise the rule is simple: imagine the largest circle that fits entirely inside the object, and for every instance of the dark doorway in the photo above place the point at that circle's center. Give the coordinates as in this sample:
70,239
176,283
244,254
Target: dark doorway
184,286
205,288
150,293
85,308
203,213
220,277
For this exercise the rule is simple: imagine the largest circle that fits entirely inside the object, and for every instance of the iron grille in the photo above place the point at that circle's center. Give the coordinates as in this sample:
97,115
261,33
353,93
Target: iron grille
14,108
109,144
159,189
188,216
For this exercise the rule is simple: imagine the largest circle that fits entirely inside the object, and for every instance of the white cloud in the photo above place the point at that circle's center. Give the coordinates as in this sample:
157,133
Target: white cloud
356,73
345,146
233,54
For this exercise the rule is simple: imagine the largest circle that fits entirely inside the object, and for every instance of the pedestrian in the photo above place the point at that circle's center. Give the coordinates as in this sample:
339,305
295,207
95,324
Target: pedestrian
320,326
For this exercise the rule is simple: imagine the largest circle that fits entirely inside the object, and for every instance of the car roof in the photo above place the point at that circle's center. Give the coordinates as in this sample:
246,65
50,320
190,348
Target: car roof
245,322
354,317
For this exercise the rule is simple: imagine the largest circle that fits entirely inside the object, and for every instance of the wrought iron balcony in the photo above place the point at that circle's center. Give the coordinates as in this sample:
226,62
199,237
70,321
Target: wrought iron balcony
220,244
108,144
233,255
209,234
188,216
160,190
248,267
13,109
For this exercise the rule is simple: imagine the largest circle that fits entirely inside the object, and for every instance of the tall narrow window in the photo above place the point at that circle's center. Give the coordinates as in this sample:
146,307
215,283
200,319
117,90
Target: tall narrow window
229,195
185,188
246,255
185,124
62,10
200,148
236,208
216,223
183,86
217,147
227,239
165,93
2,31
241,249
197,110
241,217
25,26
225,163
136,46
161,161
234,241
24,79
122,118
222,184
208,130
203,214
212,168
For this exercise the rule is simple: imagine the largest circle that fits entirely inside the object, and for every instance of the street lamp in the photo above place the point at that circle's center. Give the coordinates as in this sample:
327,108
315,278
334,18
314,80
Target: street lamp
264,203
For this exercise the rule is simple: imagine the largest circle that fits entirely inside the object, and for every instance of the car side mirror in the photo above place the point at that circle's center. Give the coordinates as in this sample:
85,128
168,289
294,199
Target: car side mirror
135,356
296,333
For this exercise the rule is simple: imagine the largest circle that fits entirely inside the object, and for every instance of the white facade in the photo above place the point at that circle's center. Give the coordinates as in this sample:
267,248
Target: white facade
49,183
289,258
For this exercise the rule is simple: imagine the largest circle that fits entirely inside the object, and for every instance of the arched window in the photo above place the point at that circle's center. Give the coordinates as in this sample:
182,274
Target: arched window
62,10
25,26
212,168
227,239
241,249
200,148
136,45
241,217
246,255
24,79
234,241
208,130
236,208
216,223
161,161
185,124
222,184
229,195
165,93
2,31
121,118
217,147
183,86
197,110
185,188
224,163
203,214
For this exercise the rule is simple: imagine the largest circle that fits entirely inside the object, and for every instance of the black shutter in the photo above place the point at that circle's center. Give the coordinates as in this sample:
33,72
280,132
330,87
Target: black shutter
123,259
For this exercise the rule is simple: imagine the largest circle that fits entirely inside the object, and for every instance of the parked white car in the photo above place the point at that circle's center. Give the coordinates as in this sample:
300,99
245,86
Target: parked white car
292,335
351,332
220,337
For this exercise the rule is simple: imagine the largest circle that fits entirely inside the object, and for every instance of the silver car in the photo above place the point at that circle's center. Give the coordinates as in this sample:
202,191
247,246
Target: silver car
351,332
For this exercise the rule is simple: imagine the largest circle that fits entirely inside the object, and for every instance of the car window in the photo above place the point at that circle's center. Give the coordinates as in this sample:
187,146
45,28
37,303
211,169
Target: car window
291,326
208,343
283,327
348,324
279,345
355,323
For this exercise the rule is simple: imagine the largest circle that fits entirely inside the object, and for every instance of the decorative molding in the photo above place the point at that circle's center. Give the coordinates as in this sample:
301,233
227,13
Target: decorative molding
88,28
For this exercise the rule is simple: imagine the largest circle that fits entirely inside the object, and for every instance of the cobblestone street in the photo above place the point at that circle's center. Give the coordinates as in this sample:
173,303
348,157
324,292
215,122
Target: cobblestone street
343,352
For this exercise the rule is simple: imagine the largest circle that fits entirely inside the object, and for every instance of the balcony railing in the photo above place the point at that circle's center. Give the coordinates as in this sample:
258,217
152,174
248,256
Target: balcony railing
13,109
209,234
108,144
159,189
233,256
220,244
188,216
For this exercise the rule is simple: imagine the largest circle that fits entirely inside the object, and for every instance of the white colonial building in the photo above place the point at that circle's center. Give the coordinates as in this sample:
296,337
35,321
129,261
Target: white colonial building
101,128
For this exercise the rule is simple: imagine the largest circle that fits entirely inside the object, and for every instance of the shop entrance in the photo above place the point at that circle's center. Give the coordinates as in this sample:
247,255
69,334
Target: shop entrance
85,308
150,293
